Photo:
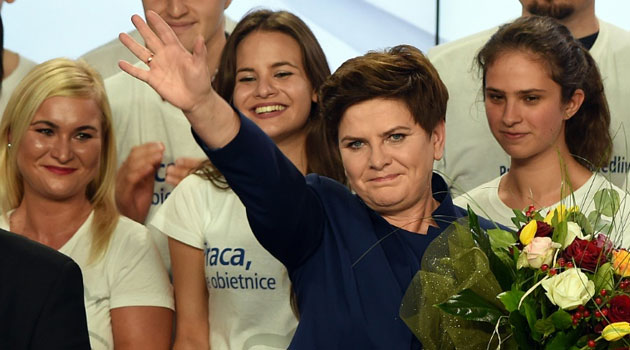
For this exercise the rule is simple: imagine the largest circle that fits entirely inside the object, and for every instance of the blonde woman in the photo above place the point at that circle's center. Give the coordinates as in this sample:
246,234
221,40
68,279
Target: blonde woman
57,164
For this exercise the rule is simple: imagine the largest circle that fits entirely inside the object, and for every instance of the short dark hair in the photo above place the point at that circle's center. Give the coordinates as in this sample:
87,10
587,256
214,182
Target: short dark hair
401,73
571,66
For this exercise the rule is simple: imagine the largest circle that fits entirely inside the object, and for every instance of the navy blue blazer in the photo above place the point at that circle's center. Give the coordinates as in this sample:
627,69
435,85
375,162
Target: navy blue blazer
41,297
349,267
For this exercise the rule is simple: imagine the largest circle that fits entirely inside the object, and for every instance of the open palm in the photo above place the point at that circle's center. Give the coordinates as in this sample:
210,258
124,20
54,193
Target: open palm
180,77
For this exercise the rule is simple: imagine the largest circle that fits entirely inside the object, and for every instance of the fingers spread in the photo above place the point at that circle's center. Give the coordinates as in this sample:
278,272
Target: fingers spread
162,29
151,40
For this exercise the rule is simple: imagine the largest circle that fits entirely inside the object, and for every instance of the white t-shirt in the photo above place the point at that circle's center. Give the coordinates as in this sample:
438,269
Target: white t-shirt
484,200
140,116
472,156
249,289
11,82
130,273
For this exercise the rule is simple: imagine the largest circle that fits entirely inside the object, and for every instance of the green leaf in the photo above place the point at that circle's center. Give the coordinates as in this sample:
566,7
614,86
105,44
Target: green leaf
511,299
607,201
500,239
504,273
560,232
563,341
528,309
561,319
581,220
604,277
519,218
470,306
519,327
545,327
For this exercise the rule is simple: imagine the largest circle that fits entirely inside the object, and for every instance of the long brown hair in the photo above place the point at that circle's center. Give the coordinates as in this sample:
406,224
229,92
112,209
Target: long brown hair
316,69
571,66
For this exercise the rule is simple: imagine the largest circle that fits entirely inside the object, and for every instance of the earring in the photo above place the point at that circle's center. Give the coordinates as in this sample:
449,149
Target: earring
9,145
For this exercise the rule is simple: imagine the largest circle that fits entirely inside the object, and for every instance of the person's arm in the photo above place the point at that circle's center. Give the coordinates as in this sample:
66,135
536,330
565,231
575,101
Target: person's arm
141,327
141,296
191,296
62,324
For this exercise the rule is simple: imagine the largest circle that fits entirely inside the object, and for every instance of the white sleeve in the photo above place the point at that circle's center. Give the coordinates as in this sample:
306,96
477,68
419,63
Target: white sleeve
137,274
184,212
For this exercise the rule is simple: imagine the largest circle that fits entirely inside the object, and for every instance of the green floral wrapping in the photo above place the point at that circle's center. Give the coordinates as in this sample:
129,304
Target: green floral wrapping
451,264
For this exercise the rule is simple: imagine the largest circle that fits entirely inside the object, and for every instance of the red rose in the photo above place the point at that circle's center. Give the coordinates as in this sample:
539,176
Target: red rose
619,310
586,254
543,229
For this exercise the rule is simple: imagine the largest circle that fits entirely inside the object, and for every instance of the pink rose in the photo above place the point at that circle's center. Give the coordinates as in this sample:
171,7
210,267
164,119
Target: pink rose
537,253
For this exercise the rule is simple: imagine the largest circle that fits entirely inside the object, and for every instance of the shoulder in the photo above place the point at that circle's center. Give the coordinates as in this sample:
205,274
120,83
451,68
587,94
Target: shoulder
105,57
128,236
467,46
121,84
20,257
611,41
25,65
617,33
479,193
30,254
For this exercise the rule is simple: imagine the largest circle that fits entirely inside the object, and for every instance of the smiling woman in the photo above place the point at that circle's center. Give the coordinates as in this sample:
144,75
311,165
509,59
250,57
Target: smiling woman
57,158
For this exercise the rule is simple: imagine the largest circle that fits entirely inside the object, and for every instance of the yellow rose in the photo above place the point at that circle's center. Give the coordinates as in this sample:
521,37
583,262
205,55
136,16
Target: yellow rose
528,232
616,331
621,262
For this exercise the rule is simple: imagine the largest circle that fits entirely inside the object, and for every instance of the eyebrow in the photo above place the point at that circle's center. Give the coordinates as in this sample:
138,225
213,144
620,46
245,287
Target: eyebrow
55,126
521,92
383,134
275,65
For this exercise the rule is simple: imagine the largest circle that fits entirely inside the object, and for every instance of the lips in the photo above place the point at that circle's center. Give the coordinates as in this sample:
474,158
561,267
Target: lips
386,178
511,135
60,170
180,27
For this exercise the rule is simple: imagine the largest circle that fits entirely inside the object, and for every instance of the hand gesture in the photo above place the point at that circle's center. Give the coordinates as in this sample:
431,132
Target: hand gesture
181,78
135,180
183,166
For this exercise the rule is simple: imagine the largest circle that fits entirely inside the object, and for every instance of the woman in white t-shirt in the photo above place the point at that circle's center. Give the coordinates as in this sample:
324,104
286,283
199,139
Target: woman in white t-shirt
546,107
57,164
230,293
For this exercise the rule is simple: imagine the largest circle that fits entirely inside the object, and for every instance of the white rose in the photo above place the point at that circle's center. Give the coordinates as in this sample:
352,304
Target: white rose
573,230
569,289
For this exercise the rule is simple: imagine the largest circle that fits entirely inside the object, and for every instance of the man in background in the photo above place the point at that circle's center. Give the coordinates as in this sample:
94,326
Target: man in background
154,144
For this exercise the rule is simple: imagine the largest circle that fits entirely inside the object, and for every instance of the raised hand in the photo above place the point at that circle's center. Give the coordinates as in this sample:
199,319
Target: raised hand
180,77
135,180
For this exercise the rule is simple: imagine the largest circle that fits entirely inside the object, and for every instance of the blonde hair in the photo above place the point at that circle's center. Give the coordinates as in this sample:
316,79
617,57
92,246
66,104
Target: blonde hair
67,78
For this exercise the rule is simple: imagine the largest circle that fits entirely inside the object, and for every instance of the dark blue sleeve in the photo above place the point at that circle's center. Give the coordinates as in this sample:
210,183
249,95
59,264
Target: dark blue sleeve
62,323
283,211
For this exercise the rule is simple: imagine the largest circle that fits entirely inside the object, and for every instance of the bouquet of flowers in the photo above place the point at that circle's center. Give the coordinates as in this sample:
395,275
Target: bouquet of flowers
561,282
